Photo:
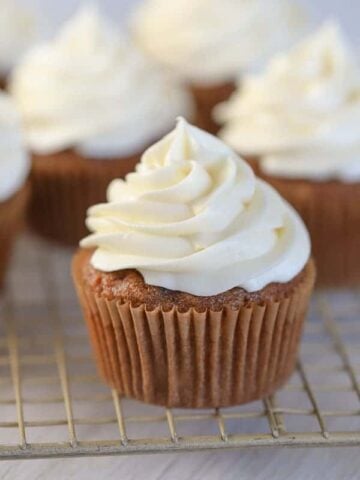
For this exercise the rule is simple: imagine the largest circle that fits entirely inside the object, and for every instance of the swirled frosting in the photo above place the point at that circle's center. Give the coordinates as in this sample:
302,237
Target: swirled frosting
302,115
194,218
14,162
212,41
89,89
18,29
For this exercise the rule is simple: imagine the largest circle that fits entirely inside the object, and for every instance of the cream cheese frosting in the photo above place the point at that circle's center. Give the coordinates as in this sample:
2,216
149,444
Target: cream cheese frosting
213,41
193,217
14,161
302,115
90,89
18,30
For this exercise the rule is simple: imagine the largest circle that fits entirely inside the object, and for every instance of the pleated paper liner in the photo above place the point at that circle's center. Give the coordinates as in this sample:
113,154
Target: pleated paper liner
12,215
332,214
206,98
65,185
196,359
3,82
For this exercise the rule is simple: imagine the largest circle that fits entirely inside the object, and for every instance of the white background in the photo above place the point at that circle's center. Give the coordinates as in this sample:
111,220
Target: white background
275,464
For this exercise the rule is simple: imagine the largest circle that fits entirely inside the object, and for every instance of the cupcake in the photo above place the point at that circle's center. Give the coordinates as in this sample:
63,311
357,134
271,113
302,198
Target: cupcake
18,30
210,43
299,122
196,279
90,105
14,170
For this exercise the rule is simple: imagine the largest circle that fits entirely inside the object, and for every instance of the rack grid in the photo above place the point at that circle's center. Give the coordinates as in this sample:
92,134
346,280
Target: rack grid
52,403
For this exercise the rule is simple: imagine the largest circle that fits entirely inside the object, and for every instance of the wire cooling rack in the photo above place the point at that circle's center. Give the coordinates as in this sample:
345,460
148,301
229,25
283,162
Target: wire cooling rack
53,404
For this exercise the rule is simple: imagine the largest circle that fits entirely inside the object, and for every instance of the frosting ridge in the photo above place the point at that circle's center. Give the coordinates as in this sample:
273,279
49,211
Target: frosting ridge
212,41
90,89
301,116
194,218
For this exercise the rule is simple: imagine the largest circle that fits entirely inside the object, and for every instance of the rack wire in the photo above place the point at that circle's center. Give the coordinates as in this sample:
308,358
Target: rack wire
53,404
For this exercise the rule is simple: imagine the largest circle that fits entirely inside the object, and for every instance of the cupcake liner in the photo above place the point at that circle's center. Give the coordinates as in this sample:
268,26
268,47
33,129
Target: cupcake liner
206,98
12,214
65,185
332,214
196,359
3,82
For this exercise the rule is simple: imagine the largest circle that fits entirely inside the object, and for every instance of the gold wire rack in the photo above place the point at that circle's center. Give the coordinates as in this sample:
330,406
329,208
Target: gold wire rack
52,403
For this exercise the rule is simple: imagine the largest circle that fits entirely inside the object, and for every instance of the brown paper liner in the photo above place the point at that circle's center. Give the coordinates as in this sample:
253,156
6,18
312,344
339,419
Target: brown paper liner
195,359
65,185
332,214
3,82
12,214
206,98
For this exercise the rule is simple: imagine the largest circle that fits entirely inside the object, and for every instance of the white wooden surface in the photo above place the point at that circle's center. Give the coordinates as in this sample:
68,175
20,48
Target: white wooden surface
298,464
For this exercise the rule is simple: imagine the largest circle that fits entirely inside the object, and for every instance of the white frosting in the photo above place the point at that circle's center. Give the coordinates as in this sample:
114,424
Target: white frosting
213,41
194,218
302,115
89,89
18,29
14,162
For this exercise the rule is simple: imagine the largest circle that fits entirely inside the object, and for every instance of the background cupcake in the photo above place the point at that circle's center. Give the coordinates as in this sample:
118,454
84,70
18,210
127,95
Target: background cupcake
300,122
198,288
90,104
210,43
14,170
18,30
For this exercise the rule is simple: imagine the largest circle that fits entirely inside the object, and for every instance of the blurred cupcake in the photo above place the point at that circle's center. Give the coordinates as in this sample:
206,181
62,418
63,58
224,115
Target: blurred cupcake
300,123
210,43
14,170
18,30
90,104
197,291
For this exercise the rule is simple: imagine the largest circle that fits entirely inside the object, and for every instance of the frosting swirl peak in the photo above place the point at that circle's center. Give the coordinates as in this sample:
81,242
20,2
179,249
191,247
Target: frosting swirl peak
194,218
214,41
301,116
91,90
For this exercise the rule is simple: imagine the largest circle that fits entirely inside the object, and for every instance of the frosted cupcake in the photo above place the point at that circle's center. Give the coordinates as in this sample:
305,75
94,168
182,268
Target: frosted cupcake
14,170
300,122
18,30
90,105
198,286
210,43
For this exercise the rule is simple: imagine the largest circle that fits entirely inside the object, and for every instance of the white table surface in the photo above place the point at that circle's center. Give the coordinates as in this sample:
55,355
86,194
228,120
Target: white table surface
278,464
